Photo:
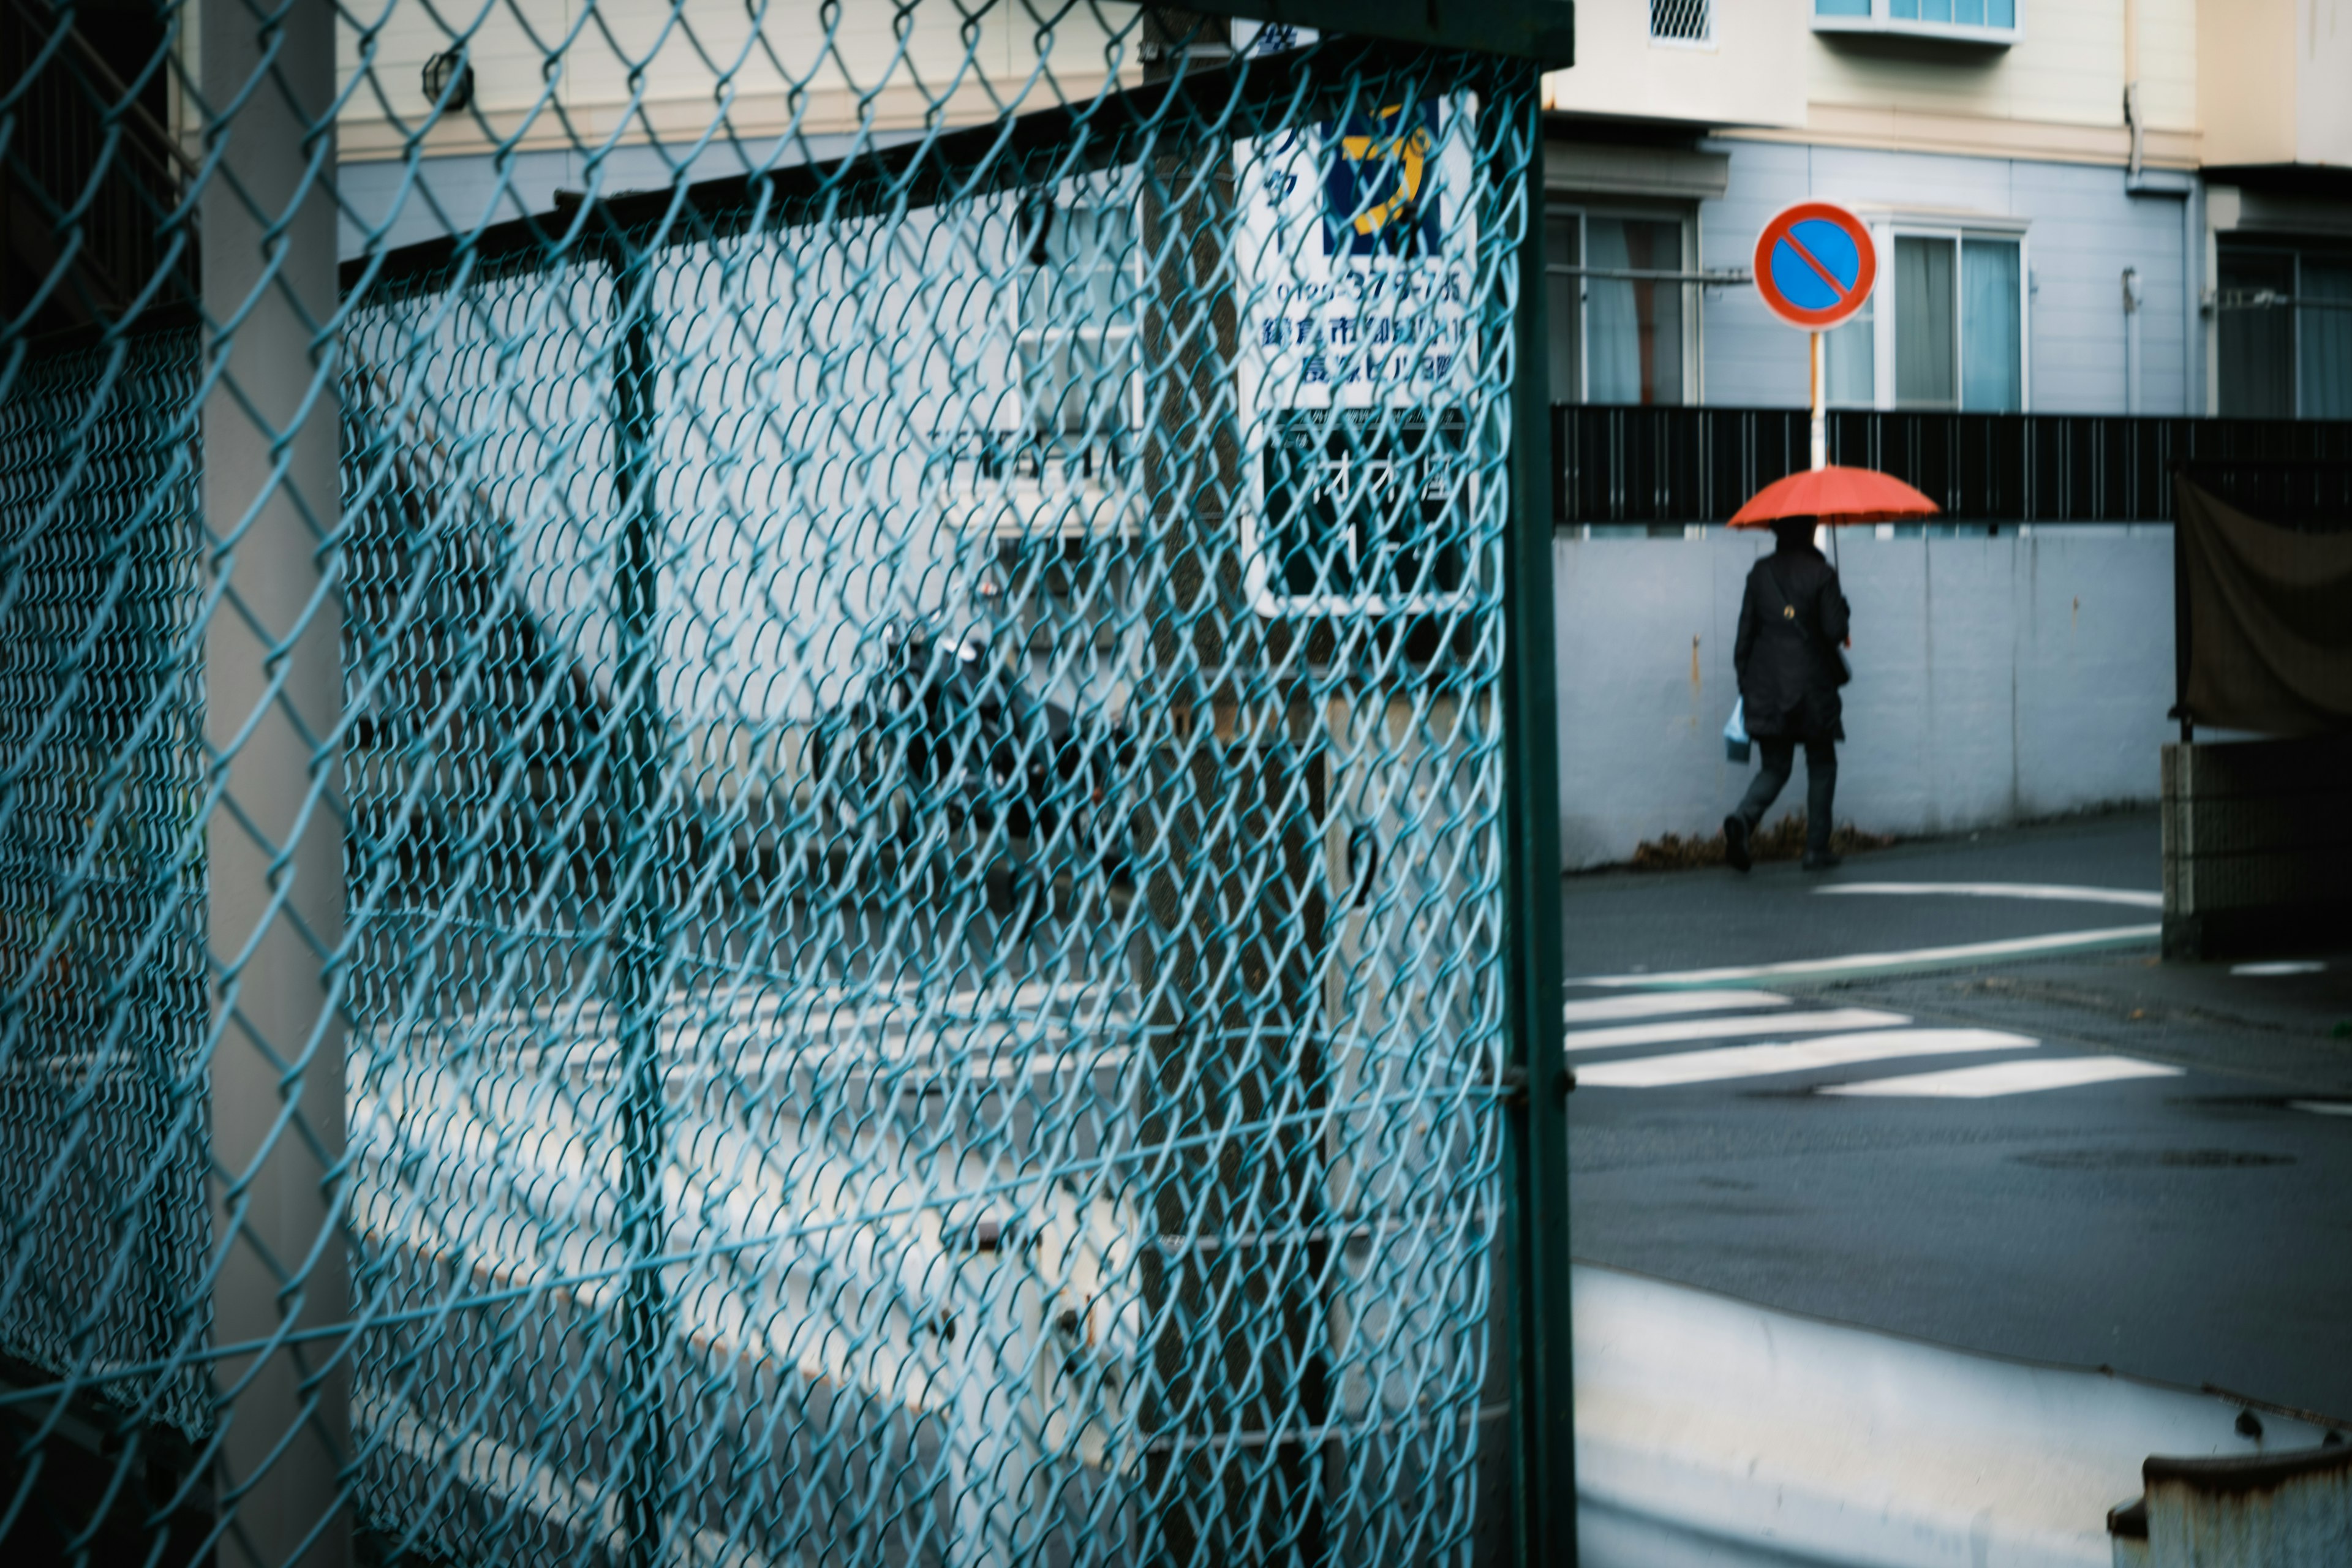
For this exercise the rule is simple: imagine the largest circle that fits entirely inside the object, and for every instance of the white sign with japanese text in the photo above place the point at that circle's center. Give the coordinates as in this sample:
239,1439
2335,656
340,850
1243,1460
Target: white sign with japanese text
1356,246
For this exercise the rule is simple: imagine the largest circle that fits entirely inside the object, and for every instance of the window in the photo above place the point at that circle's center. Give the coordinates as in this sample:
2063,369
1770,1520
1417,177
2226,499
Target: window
1956,307
1067,420
1958,13
1963,21
2286,328
1077,327
2325,386
1619,303
1682,21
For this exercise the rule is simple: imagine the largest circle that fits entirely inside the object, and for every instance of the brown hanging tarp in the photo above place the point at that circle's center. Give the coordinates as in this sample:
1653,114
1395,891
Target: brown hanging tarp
2268,625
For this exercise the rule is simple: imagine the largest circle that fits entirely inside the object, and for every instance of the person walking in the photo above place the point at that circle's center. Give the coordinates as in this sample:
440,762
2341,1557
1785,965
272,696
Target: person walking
1791,621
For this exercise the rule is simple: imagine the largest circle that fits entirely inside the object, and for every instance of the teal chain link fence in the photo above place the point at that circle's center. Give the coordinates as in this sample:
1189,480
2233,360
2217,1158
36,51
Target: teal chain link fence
783,838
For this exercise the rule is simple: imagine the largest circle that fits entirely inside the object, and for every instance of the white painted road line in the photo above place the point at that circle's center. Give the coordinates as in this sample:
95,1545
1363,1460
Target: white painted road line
1609,1009
2006,1078
1836,1020
2050,892
1922,958
1794,1055
2322,1107
2287,966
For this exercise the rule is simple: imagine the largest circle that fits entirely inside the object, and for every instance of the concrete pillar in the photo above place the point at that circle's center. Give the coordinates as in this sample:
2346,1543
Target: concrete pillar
273,689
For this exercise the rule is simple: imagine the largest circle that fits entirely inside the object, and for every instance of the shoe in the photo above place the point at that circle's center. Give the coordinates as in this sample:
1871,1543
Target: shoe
1735,842
1823,860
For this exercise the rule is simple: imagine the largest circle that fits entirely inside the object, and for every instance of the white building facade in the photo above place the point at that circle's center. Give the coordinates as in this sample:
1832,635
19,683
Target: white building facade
2083,206
2103,207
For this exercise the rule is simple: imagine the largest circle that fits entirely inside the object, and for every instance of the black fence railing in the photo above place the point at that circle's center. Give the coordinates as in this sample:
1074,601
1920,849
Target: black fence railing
1623,464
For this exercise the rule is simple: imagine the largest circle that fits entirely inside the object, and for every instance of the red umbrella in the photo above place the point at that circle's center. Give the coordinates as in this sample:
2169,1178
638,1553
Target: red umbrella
1835,495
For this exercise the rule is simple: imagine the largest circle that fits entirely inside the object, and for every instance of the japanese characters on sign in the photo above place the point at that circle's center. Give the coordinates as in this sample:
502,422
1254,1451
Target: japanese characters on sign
1356,354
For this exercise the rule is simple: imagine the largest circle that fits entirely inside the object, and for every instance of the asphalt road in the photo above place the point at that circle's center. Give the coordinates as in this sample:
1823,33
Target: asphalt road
2112,1163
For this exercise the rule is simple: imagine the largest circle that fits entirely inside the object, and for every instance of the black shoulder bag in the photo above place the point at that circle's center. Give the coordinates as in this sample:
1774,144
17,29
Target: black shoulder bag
1812,633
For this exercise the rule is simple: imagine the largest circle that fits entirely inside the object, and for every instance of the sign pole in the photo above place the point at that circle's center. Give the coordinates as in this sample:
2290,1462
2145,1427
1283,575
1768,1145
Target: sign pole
1815,267
1821,405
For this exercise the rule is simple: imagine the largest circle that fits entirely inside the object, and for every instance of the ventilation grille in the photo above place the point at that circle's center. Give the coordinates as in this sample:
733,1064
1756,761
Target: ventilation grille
1683,21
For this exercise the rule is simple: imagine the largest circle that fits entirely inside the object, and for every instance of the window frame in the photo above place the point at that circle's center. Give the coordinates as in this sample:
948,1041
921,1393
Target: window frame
1885,328
1107,337
1881,20
1688,300
1026,483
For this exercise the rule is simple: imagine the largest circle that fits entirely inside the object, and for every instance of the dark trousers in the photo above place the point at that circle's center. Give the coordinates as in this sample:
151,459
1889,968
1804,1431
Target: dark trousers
1821,787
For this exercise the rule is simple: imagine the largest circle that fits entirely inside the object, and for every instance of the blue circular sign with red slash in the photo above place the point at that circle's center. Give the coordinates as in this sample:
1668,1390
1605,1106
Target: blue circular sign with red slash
1815,264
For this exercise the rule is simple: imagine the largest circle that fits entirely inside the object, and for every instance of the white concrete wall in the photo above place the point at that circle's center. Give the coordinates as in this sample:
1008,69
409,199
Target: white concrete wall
2067,67
2323,110
1995,679
1751,72
2083,229
2270,80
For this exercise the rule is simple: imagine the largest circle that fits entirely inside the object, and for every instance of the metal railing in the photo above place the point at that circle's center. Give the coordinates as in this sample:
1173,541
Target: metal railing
1665,466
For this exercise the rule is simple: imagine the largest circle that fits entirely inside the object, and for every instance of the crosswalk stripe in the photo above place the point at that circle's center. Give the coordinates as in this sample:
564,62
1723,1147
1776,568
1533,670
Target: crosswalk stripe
1915,960
2005,1077
2043,891
1836,1020
1608,1009
1794,1056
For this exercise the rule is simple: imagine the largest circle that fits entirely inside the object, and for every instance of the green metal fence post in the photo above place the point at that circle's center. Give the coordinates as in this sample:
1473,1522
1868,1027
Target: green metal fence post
642,884
1536,1122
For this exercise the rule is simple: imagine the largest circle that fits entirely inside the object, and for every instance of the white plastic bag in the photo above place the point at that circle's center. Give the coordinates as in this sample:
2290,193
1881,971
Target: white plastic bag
1735,733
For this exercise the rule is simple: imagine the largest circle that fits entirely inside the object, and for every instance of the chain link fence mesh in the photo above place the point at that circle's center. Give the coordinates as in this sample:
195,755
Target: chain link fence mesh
915,975
101,1090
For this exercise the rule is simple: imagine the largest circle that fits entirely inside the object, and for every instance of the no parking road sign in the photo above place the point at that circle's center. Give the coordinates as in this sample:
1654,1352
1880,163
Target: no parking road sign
1815,264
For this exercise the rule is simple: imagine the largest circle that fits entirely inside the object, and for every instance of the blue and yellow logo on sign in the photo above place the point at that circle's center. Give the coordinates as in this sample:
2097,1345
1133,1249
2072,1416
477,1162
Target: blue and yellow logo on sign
1378,197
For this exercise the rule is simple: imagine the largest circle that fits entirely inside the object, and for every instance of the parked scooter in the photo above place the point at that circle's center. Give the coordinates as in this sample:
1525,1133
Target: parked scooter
948,749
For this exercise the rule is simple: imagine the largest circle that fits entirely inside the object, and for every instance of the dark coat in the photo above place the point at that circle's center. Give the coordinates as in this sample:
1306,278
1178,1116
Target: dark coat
1787,662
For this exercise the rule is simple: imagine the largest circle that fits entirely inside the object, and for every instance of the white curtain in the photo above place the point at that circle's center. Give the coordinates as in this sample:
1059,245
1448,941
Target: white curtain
1633,343
1853,354
1992,370
1923,323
